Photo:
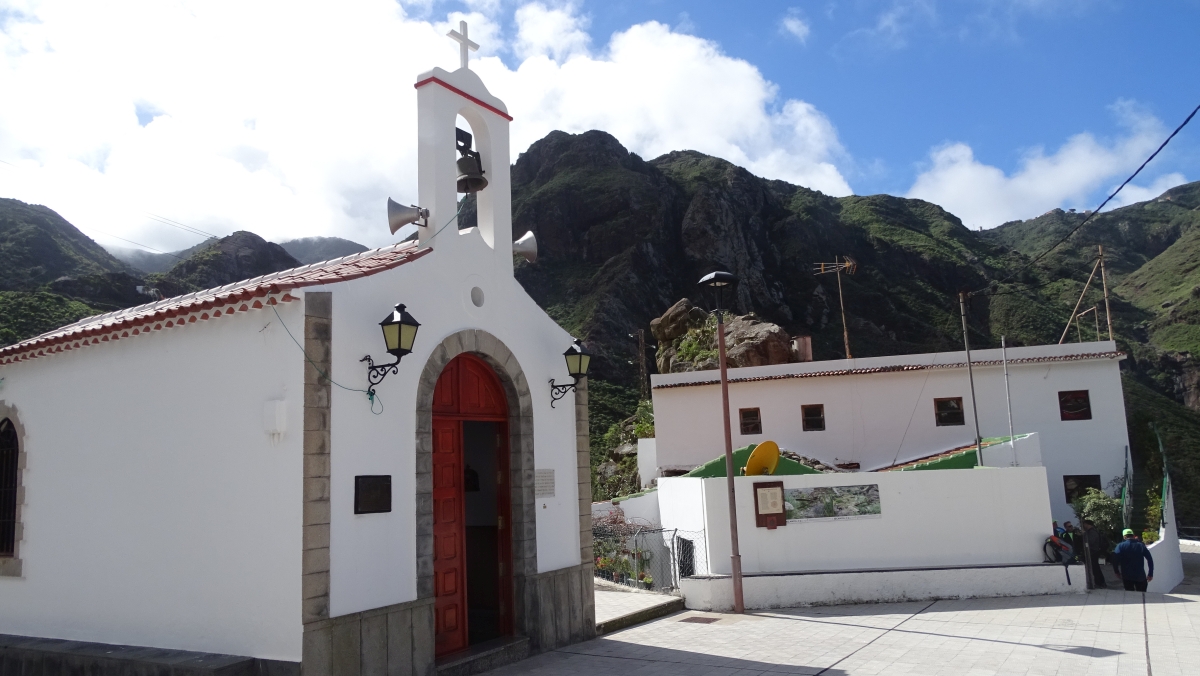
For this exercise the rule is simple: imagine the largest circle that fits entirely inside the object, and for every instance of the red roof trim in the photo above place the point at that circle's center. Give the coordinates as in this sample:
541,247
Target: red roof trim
181,310
465,95
901,367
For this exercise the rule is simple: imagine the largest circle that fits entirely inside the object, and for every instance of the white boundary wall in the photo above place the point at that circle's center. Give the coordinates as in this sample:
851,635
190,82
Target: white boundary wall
929,518
789,591
1168,561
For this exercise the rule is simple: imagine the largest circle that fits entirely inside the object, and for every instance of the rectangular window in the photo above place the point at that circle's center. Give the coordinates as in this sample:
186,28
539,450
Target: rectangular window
751,422
949,411
1076,485
813,417
1074,405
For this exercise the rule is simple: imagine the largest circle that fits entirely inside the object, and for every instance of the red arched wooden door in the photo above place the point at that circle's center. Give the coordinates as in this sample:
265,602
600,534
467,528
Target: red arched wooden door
472,576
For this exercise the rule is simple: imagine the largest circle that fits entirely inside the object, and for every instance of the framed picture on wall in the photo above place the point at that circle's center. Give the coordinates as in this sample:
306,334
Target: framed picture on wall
768,505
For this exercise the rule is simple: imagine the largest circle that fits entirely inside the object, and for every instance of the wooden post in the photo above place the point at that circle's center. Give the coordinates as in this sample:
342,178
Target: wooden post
962,306
842,303
1075,312
1104,279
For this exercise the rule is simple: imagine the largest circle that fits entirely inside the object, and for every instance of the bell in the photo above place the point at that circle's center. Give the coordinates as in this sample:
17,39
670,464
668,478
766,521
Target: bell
470,174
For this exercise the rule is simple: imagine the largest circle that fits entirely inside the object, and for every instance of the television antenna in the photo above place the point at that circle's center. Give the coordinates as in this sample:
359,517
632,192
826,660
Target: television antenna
849,266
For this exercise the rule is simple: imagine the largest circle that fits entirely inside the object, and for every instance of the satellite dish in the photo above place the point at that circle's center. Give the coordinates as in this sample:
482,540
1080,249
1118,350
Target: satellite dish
763,459
400,216
526,247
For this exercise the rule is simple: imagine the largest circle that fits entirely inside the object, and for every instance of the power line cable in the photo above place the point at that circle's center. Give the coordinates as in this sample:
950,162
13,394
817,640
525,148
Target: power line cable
109,234
182,226
1106,201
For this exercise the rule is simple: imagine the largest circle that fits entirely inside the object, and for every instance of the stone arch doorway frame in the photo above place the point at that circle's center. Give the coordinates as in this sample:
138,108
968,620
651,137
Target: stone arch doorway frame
521,463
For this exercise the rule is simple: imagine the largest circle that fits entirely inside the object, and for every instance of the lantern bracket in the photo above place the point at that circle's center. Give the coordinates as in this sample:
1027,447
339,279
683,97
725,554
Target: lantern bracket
376,374
559,391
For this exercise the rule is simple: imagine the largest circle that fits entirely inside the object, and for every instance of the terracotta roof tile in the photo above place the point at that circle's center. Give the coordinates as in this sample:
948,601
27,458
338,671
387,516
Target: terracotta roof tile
241,296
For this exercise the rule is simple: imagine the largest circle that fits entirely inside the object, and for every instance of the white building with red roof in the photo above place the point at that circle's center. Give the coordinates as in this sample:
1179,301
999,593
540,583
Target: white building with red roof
208,473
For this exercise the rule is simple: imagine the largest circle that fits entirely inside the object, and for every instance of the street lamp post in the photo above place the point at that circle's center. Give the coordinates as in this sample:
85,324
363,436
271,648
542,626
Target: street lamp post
718,282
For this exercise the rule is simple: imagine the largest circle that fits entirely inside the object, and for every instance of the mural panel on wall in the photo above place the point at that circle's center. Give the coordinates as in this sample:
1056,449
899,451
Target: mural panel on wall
832,502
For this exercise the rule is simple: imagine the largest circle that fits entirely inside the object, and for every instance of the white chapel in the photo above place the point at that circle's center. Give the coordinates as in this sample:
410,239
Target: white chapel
207,473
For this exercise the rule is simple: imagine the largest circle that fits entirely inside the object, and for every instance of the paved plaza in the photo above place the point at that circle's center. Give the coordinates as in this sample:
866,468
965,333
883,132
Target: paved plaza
1103,632
612,601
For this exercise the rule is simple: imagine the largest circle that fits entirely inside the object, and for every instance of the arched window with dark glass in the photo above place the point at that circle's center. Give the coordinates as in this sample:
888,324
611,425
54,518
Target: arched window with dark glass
8,488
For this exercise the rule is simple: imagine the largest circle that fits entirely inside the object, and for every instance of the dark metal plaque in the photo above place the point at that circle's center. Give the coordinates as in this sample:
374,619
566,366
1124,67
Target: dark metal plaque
372,493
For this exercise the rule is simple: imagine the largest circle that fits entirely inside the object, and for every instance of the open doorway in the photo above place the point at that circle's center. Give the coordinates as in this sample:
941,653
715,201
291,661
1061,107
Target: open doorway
472,518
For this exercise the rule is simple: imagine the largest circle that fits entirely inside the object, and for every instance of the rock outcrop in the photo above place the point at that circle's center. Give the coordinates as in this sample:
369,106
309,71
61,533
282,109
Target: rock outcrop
687,340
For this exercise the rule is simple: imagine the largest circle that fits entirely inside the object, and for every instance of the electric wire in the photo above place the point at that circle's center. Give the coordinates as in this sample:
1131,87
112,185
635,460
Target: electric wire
1102,204
371,397
150,248
182,226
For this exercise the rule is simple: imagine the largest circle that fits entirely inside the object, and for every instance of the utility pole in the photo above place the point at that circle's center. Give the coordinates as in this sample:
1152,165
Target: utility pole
1012,441
643,383
849,266
1104,279
962,308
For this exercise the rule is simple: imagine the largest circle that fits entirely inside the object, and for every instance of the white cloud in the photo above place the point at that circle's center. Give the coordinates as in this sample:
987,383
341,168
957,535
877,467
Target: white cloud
893,25
984,196
289,120
1134,193
556,33
656,91
792,24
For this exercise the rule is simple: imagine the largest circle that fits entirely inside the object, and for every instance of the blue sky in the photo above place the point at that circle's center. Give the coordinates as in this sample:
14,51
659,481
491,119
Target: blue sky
898,78
293,118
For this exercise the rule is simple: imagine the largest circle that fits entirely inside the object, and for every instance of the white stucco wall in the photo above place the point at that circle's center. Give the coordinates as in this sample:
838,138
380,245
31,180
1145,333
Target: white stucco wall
929,518
883,418
157,511
373,556
647,462
1168,561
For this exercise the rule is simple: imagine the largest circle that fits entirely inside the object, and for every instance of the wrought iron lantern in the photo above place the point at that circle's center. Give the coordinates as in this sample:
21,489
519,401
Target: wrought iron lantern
578,361
399,333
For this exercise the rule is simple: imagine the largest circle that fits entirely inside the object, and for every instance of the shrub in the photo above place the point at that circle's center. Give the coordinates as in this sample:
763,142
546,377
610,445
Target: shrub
1101,508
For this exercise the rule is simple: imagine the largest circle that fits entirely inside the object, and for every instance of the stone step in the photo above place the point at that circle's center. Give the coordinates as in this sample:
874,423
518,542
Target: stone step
484,656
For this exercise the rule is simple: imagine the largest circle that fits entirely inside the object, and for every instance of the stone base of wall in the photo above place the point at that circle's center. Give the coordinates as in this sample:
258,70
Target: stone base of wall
27,655
558,609
393,640
790,590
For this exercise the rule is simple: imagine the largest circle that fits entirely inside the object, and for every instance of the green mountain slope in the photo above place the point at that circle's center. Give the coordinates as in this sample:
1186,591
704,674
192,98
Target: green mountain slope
316,249
37,246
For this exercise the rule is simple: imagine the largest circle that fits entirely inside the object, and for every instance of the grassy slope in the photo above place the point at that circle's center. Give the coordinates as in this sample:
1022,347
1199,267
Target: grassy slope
1180,431
24,314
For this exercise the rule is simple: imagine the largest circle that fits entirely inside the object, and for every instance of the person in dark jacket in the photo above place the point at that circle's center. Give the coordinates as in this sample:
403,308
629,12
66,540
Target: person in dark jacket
1093,540
1075,539
1127,560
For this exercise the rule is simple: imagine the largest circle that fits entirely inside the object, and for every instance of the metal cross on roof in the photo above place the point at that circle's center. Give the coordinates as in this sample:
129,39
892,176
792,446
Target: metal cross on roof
464,42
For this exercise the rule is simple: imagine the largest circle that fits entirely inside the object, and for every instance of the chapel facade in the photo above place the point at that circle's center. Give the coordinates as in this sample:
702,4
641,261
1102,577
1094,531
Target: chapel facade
208,473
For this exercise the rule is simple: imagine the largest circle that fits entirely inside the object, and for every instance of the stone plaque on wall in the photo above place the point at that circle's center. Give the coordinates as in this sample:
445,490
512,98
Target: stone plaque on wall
543,483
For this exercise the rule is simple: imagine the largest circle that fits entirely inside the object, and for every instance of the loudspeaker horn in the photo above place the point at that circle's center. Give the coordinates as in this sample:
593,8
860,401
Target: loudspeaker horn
526,247
400,216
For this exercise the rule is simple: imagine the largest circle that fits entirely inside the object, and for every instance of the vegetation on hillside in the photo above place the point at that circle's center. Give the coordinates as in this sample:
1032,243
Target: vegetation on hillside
24,314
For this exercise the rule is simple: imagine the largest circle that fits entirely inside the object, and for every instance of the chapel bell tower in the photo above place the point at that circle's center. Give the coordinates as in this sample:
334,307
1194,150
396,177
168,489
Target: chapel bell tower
474,160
